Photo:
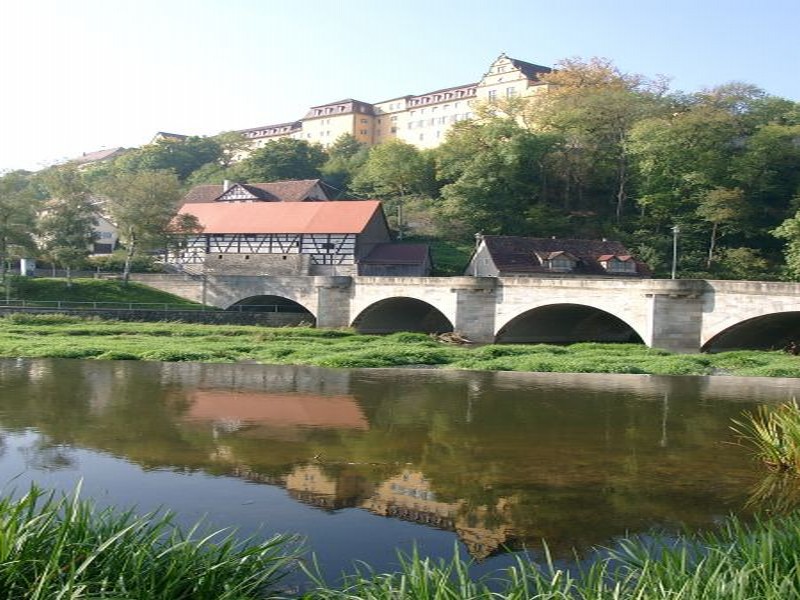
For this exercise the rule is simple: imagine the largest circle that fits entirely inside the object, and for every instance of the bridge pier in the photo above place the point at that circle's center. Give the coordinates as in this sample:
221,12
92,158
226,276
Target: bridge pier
676,315
333,300
476,301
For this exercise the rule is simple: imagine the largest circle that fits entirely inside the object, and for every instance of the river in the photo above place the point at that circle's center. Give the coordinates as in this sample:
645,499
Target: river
364,462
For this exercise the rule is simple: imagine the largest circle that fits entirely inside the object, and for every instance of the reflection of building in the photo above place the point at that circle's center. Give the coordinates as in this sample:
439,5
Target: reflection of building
275,410
311,485
421,120
409,496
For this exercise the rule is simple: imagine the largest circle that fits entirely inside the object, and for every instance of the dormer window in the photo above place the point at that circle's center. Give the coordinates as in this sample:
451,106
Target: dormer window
559,262
618,264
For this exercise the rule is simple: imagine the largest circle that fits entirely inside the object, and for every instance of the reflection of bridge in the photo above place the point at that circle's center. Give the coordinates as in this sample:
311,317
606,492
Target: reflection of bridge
678,315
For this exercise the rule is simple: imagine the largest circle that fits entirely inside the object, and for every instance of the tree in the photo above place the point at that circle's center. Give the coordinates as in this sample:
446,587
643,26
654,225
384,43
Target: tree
17,216
592,106
285,158
345,157
493,176
66,227
789,230
143,206
182,157
724,208
395,170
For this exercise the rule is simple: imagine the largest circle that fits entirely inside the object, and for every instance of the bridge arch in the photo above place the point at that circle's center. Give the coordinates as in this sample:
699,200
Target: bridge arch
564,323
272,303
401,313
771,331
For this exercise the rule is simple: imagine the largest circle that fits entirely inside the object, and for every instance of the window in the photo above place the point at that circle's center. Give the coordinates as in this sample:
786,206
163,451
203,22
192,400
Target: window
327,246
511,92
363,132
615,265
492,94
363,121
560,264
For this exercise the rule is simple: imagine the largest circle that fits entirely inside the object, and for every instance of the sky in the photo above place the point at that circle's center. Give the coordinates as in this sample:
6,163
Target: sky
84,75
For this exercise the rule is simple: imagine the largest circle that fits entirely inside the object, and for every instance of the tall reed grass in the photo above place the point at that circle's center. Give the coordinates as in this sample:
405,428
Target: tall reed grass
64,547
774,433
739,562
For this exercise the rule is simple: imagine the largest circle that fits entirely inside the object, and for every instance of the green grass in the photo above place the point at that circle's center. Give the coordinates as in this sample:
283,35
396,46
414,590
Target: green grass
70,336
42,289
737,562
64,547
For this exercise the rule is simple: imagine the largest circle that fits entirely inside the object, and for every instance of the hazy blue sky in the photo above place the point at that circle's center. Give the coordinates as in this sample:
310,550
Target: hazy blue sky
81,75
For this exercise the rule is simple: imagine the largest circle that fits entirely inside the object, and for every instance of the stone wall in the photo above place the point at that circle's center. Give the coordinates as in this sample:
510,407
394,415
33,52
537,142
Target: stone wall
278,265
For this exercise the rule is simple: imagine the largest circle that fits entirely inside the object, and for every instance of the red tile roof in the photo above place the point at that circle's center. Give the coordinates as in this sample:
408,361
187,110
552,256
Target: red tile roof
279,217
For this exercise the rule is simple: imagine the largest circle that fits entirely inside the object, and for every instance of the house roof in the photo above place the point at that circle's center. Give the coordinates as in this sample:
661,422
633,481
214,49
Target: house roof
279,217
274,191
396,254
515,254
97,155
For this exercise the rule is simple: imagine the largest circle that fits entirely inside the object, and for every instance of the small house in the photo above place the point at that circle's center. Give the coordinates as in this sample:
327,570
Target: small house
515,256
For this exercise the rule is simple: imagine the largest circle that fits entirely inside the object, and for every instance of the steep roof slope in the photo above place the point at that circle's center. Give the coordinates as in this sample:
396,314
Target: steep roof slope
515,254
280,217
273,191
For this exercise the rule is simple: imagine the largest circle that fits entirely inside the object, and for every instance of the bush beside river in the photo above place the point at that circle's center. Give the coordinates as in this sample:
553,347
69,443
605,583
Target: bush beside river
62,336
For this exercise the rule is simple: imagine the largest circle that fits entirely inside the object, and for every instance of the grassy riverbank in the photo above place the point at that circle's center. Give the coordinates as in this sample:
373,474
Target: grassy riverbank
66,547
61,336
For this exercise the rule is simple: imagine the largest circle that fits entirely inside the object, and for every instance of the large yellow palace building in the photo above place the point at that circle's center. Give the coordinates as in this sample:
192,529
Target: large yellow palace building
419,120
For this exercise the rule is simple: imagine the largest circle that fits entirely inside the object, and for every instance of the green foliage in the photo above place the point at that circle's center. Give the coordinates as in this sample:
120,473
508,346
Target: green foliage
181,157
59,335
285,158
65,547
493,176
115,262
774,432
66,228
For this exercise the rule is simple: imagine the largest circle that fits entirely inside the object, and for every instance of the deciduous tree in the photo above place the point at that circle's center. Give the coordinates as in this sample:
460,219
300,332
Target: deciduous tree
143,206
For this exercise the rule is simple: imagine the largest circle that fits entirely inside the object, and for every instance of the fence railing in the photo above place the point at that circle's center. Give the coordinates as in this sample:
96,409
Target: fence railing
159,306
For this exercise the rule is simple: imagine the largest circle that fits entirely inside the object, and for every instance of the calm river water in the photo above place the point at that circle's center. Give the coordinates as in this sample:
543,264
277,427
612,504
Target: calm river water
364,462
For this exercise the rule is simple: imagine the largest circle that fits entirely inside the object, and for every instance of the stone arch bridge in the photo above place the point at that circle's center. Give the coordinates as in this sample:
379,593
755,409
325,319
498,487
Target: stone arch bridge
677,315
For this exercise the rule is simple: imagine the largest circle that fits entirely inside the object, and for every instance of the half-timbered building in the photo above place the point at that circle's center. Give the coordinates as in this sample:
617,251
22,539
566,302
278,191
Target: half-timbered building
280,238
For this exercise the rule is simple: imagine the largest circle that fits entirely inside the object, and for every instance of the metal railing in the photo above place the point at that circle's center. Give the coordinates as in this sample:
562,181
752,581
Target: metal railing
159,306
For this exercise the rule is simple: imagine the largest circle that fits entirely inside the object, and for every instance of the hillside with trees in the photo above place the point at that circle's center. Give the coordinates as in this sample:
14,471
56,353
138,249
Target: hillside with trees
601,154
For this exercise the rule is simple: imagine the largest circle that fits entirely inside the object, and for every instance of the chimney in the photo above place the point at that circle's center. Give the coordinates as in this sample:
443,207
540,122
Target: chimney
226,185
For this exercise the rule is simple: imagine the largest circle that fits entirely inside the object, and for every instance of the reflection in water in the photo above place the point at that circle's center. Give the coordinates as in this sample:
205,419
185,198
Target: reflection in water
502,460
